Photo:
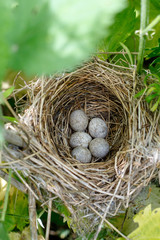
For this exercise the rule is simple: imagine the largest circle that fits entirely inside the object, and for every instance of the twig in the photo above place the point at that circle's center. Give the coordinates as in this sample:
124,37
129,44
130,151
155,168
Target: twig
48,219
32,216
14,182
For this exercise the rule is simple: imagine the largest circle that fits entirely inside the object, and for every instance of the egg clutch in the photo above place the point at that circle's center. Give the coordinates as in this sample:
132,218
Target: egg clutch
85,145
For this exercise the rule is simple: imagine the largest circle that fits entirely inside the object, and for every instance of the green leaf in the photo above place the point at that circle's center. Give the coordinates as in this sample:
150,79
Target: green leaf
8,92
62,208
128,52
155,106
139,94
155,67
5,94
57,35
157,60
151,75
155,70
154,11
155,52
150,97
155,85
17,211
8,119
149,195
148,225
150,90
3,232
122,28
156,3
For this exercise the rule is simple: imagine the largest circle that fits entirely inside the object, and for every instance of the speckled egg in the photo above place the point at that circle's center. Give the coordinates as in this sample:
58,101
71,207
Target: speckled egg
80,139
82,154
99,147
78,120
98,128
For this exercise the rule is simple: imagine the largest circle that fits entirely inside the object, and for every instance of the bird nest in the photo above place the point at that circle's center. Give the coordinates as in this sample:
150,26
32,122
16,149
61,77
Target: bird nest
100,189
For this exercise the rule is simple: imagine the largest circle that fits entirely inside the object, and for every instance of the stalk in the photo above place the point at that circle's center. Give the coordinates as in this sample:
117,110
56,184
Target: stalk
143,24
6,197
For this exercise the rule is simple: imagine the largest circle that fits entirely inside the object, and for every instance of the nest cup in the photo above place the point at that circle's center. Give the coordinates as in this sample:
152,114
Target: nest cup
104,186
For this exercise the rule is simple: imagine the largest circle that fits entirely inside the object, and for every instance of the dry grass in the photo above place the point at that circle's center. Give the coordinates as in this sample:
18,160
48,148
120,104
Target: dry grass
103,186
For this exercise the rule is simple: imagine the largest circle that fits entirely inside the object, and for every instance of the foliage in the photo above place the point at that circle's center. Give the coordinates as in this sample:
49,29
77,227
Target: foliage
121,30
148,228
142,39
3,235
25,235
155,55
155,52
54,35
51,35
62,208
17,211
126,30
125,221
5,94
151,92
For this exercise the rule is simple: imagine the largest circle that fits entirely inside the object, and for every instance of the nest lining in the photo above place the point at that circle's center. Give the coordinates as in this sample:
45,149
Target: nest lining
104,185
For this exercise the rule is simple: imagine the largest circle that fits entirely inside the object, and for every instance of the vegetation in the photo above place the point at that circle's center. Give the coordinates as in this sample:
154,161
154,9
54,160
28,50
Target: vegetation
45,37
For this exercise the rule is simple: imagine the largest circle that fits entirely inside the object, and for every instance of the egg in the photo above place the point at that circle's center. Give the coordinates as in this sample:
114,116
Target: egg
82,154
78,120
99,147
80,139
98,128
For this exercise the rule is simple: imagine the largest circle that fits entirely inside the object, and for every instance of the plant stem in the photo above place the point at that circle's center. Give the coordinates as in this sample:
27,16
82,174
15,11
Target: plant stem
6,196
152,24
143,23
1,130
